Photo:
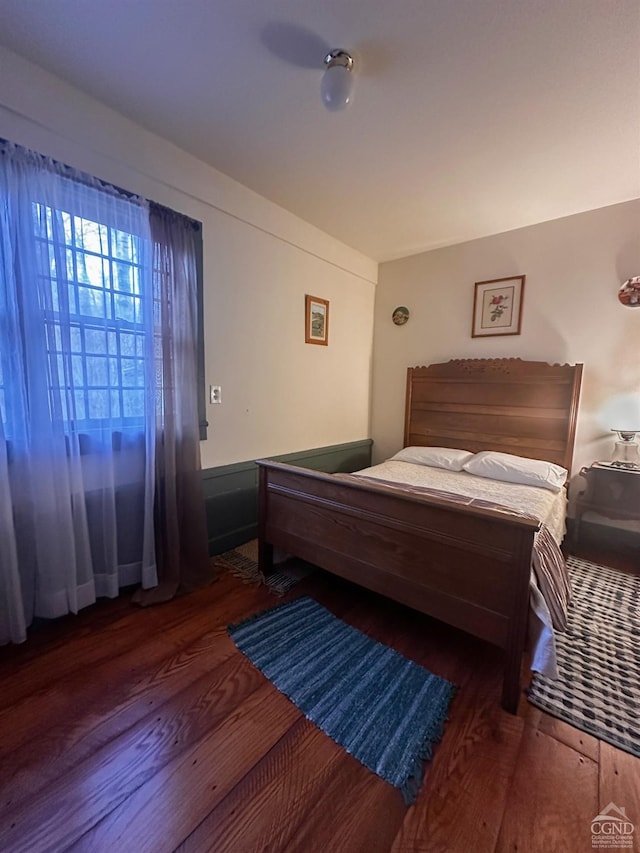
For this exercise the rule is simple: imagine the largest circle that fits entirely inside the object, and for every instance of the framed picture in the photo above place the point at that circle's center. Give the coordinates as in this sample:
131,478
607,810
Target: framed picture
316,326
497,307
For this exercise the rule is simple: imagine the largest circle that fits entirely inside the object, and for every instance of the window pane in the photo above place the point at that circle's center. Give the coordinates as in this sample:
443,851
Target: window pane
78,372
127,344
123,245
125,278
60,409
58,376
92,270
96,372
76,339
115,404
98,404
125,308
45,258
91,301
114,372
133,404
132,372
95,340
72,294
79,407
91,236
70,259
67,225
55,301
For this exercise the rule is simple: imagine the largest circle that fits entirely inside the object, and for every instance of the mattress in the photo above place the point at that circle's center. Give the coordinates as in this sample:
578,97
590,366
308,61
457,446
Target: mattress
548,507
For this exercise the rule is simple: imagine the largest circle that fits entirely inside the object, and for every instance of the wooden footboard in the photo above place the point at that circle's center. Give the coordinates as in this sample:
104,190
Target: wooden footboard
469,567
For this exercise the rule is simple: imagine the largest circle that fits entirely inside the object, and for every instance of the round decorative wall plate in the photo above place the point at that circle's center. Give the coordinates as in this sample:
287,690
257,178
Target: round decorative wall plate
400,315
629,293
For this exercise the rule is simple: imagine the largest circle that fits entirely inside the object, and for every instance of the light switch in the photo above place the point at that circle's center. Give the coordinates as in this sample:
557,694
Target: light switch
215,393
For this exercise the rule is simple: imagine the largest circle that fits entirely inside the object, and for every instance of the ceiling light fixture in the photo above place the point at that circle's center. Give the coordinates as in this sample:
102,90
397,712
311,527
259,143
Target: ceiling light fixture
337,80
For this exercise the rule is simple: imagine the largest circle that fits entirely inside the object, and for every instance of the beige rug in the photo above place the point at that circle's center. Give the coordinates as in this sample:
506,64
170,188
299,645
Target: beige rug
242,562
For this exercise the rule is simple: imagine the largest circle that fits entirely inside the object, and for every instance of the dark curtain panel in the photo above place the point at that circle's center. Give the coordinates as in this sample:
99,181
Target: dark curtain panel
180,523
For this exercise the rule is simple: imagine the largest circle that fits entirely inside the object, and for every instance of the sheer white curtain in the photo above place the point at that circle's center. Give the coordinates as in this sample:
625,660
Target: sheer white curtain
77,400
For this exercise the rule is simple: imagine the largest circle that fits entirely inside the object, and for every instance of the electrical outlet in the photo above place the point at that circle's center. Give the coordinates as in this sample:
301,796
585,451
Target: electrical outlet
215,394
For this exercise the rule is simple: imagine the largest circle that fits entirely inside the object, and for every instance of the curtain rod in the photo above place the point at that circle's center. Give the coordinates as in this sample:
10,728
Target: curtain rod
79,175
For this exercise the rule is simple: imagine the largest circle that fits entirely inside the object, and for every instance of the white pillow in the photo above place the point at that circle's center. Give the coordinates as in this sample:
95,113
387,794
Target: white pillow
517,469
434,457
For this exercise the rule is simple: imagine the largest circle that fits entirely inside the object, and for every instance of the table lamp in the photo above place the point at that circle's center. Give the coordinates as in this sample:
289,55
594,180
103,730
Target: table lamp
621,414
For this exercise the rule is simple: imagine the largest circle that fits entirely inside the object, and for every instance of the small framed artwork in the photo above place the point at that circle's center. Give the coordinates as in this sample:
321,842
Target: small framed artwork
316,326
497,307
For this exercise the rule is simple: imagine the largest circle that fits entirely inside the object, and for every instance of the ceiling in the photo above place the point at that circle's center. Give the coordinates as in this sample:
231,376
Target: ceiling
470,117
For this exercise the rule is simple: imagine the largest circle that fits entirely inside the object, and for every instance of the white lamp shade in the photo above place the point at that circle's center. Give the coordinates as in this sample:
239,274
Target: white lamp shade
337,87
621,413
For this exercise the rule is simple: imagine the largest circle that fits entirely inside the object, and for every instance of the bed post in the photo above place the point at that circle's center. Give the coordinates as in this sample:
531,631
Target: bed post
265,549
517,634
407,407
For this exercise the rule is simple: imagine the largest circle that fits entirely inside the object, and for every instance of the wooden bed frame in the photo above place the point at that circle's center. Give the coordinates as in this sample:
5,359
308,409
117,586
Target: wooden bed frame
467,566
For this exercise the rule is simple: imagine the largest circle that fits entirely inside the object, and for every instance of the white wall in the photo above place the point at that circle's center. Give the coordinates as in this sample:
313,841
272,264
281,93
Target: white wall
279,394
574,267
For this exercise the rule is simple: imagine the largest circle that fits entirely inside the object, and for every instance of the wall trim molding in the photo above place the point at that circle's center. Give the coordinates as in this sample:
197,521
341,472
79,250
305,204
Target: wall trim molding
231,491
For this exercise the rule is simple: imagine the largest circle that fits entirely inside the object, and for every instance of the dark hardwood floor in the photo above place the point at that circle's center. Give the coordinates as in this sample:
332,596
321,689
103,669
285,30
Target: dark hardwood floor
133,730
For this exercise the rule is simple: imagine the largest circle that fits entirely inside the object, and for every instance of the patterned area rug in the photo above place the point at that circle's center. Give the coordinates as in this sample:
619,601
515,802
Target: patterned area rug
598,658
382,708
243,563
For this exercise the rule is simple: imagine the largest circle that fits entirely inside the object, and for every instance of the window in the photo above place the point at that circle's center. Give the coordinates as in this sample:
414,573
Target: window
98,372
97,304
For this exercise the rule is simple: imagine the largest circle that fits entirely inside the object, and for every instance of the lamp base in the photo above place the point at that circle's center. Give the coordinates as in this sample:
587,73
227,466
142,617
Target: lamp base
625,453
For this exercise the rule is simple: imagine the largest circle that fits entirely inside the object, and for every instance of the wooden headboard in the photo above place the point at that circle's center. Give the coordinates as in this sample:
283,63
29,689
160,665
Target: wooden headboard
528,408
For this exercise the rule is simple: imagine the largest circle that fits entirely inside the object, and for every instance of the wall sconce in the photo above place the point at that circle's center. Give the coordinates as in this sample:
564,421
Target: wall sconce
337,81
621,414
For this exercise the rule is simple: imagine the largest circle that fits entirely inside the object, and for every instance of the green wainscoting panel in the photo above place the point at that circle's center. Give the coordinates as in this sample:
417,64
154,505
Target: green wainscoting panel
231,491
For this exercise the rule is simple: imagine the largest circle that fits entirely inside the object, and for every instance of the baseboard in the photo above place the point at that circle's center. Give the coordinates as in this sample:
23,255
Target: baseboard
231,491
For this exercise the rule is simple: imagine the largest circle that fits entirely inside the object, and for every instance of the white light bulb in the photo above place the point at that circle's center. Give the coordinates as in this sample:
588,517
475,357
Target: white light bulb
337,82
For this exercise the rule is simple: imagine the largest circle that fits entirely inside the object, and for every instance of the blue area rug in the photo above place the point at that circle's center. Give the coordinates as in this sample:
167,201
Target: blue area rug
381,708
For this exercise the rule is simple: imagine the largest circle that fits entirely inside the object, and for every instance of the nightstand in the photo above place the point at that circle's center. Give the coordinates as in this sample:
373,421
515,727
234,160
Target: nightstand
611,492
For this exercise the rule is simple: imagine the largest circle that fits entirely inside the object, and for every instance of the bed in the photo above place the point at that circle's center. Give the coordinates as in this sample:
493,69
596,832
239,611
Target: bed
465,563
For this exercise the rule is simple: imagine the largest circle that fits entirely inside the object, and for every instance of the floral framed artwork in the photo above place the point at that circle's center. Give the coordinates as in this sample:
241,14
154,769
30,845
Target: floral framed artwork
316,326
497,307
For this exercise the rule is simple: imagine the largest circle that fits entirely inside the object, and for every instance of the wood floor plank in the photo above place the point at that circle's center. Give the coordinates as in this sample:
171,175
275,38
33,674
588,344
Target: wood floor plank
262,811
93,648
114,685
553,815
619,782
188,788
116,771
470,773
357,811
582,742
57,752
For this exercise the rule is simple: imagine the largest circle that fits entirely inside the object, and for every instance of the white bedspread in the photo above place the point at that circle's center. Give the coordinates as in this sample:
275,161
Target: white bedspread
547,506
